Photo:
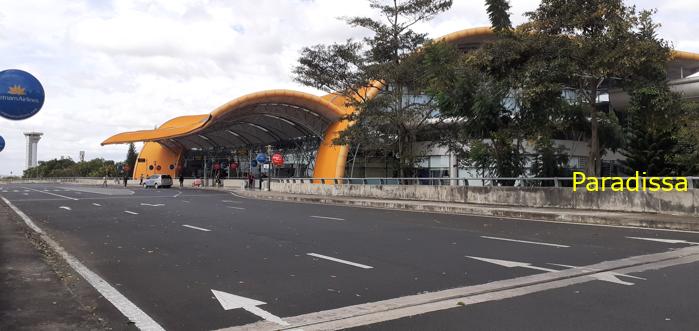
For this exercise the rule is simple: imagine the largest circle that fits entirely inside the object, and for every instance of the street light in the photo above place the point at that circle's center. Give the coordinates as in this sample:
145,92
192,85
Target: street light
269,171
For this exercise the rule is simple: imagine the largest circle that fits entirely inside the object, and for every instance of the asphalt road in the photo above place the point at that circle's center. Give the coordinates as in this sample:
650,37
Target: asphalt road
166,250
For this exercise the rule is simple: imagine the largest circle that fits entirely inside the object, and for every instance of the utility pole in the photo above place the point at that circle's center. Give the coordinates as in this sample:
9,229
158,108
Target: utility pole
269,171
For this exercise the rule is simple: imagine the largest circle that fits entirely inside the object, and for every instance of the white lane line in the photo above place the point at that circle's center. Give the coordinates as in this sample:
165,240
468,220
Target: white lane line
666,241
152,205
96,204
239,208
123,304
526,242
413,305
363,266
65,207
196,228
54,194
22,215
178,194
329,218
130,212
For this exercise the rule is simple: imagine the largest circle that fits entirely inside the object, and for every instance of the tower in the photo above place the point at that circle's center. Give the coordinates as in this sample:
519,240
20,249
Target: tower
32,142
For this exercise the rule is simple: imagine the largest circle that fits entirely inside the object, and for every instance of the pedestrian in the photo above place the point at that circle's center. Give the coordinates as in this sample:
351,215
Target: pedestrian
251,181
181,180
140,183
126,180
104,182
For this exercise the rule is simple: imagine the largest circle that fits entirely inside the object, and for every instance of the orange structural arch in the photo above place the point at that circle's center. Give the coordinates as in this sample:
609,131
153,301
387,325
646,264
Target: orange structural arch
163,146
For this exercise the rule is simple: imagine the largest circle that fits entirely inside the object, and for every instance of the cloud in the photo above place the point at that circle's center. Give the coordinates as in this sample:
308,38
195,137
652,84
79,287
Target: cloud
110,66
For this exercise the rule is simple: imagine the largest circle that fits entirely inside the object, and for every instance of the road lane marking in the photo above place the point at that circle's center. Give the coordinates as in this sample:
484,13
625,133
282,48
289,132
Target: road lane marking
65,207
526,242
54,194
238,208
96,204
178,194
153,205
122,303
196,228
358,265
667,241
512,264
413,305
606,276
329,218
130,212
231,301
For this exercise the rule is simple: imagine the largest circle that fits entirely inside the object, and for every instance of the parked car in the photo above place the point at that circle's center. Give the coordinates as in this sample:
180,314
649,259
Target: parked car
157,181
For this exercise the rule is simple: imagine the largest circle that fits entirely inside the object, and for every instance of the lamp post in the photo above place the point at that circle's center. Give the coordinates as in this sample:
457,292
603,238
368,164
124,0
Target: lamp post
269,171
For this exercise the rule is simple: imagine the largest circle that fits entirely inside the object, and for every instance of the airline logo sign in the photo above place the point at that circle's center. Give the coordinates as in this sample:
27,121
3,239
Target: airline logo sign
21,94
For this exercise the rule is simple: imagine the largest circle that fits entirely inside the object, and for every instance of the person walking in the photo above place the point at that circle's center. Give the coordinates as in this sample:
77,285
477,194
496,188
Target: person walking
181,180
251,181
140,183
126,180
104,182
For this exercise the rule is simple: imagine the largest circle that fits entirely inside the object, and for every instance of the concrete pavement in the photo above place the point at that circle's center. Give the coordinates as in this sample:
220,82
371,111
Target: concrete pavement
198,260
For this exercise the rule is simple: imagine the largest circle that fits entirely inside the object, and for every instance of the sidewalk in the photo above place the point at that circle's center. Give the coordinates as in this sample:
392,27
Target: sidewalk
38,291
645,220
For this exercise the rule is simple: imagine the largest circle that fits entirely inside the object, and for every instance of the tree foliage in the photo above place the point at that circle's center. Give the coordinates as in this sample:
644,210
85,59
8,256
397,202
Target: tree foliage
387,61
131,157
66,167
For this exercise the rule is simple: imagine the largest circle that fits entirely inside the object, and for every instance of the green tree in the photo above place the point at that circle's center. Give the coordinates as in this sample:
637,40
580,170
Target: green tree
651,142
594,45
498,12
387,60
131,157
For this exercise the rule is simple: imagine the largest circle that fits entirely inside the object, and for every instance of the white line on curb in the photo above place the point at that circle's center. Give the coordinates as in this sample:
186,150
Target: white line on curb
130,212
123,304
54,194
526,242
363,266
196,228
329,218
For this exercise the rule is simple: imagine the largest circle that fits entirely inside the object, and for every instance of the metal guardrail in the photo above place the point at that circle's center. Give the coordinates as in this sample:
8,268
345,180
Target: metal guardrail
692,182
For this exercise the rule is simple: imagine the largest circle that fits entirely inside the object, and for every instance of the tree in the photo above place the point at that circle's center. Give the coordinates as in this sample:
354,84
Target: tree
596,45
651,142
498,12
387,61
131,157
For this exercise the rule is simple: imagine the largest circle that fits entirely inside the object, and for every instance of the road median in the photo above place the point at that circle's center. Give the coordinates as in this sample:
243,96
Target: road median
608,218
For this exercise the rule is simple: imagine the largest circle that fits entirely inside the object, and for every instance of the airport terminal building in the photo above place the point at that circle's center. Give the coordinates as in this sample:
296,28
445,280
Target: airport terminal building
302,127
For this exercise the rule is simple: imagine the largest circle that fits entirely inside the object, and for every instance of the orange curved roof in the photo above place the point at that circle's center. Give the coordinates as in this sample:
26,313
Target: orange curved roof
329,106
186,125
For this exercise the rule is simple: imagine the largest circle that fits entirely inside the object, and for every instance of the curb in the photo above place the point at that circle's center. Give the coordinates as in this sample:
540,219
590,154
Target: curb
651,221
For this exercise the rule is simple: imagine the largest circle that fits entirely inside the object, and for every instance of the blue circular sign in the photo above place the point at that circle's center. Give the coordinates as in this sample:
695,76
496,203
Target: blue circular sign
261,158
21,95
2,144
253,163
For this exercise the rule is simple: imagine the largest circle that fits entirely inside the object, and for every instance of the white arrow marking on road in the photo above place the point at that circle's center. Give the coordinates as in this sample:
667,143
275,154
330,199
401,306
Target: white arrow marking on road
667,241
511,264
155,205
64,207
231,301
606,276
96,204
130,212
334,259
178,194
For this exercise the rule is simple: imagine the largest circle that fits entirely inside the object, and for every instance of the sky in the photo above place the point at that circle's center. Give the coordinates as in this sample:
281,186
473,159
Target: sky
109,66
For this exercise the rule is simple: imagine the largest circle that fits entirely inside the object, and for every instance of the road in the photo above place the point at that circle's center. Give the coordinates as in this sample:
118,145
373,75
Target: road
204,260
